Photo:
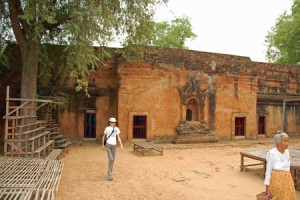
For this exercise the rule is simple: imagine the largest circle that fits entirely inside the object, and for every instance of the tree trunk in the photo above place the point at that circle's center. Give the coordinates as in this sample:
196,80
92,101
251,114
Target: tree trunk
29,76
29,70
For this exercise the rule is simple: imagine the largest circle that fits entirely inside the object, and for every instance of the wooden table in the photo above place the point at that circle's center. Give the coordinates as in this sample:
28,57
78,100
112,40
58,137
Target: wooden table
260,155
147,146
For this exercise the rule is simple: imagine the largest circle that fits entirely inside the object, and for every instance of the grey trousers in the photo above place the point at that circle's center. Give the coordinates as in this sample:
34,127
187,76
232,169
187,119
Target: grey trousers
111,154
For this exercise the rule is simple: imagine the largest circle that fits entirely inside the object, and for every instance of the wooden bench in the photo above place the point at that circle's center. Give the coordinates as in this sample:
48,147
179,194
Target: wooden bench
54,155
46,147
147,146
259,155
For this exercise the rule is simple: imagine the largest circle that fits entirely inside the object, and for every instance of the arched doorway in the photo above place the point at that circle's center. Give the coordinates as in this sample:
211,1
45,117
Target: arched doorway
192,110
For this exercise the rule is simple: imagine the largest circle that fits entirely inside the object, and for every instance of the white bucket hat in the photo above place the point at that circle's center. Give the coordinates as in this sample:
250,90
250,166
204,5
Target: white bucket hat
112,119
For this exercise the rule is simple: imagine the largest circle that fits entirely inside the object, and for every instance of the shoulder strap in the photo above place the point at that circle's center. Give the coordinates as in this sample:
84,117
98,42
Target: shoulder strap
111,132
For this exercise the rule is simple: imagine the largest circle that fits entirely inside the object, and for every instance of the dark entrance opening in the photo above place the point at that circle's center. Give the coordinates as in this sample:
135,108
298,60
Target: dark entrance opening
240,126
140,126
262,125
189,115
89,125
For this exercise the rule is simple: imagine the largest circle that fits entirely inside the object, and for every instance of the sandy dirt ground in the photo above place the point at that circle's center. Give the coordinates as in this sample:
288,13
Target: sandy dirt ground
184,172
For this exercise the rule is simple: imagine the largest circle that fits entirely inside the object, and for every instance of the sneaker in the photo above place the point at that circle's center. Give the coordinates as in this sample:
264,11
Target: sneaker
110,178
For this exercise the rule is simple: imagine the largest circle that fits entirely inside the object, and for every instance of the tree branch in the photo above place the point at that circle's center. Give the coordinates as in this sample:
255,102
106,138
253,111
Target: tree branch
62,17
15,10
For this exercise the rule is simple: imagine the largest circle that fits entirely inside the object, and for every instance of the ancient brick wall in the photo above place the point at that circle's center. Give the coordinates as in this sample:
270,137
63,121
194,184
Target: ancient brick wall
216,88
232,84
103,101
148,89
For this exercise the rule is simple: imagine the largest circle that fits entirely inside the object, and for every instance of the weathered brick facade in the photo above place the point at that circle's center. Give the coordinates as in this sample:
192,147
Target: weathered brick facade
226,93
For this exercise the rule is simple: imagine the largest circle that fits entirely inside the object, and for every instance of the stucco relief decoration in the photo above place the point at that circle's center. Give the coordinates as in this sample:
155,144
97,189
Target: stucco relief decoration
192,89
213,65
193,131
192,128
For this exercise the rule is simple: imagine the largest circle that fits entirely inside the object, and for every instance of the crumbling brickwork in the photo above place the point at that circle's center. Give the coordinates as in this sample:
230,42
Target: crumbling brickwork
171,86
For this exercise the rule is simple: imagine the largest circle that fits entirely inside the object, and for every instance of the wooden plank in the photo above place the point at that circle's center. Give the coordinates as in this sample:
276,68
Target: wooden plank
44,146
37,123
42,194
19,117
6,121
39,135
54,155
64,140
51,176
20,172
32,100
16,193
33,130
65,145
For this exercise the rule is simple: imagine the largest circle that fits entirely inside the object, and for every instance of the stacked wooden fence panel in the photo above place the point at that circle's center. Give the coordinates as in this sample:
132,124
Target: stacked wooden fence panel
16,193
29,178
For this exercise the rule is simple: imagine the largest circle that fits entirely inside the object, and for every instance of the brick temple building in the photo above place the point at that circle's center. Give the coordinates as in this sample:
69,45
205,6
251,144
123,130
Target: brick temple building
174,94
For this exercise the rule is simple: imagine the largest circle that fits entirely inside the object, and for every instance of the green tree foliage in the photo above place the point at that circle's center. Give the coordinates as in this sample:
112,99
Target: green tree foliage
172,34
77,24
284,38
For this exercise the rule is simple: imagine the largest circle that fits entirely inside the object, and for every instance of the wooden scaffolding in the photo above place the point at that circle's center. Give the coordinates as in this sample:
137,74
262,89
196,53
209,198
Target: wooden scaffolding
26,135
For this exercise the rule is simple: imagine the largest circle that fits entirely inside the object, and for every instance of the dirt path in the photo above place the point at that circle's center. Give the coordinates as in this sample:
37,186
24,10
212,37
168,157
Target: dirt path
185,172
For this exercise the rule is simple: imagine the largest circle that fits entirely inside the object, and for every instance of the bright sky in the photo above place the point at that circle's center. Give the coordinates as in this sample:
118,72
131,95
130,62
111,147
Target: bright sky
237,27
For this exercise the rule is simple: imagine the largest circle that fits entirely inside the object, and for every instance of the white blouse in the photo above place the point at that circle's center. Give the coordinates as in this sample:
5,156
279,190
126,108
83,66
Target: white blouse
276,161
113,138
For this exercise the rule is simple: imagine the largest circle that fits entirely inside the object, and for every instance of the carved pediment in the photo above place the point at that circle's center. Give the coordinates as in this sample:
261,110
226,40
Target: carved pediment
192,89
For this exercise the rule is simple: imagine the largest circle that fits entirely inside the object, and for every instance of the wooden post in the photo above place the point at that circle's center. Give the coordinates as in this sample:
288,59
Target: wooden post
6,121
283,115
242,163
